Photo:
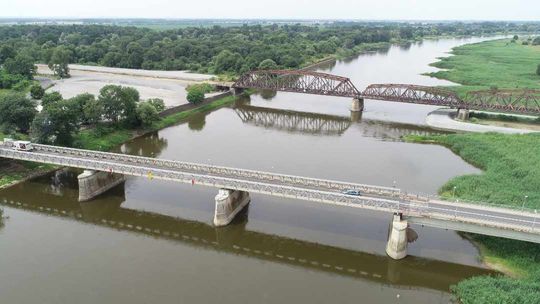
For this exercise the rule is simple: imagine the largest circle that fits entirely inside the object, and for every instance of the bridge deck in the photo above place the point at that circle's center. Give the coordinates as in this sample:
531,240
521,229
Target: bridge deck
525,224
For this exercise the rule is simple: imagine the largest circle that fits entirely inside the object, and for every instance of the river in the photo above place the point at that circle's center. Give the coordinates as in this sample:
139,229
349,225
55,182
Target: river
152,241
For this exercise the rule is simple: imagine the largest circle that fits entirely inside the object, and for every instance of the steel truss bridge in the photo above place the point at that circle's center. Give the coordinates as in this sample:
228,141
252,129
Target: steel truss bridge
293,121
482,219
524,101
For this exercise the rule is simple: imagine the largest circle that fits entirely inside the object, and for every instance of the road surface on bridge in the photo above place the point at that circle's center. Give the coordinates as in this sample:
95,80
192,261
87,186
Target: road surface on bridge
484,219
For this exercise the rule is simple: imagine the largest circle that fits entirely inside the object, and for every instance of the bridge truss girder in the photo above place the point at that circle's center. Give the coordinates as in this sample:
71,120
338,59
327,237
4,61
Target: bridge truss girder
299,81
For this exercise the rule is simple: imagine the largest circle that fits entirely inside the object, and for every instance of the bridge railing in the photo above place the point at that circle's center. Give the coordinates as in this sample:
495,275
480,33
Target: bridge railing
472,203
224,171
491,218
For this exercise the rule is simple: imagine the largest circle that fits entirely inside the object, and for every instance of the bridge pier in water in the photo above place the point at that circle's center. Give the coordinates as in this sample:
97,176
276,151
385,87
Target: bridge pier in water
237,91
396,248
228,204
93,183
357,105
463,114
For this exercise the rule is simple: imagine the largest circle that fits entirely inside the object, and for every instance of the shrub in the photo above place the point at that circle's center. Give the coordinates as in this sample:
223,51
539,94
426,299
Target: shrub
195,96
147,113
203,87
50,98
536,41
538,70
36,91
158,104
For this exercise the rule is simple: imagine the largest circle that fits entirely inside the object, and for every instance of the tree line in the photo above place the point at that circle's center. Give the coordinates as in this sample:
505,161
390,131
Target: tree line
60,119
216,49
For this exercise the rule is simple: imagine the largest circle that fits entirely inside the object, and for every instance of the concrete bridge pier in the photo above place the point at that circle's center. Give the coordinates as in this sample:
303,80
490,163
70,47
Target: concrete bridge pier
463,114
228,204
396,248
237,91
357,105
93,183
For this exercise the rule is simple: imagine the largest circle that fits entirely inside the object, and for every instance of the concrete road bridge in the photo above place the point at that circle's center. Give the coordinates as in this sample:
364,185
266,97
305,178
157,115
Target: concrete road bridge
105,170
524,101
416,273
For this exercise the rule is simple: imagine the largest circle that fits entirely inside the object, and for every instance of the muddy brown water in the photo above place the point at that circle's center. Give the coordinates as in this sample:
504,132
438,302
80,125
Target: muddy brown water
153,241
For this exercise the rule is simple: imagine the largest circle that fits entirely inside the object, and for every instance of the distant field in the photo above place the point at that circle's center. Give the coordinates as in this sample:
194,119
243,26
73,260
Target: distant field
489,64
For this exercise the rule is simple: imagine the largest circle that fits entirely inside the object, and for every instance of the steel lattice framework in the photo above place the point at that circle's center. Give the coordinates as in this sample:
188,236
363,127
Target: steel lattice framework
293,121
298,81
460,216
523,101
413,94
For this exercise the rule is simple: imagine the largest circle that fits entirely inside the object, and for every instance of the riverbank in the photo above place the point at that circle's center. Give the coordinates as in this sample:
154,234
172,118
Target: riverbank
495,64
511,165
101,139
444,119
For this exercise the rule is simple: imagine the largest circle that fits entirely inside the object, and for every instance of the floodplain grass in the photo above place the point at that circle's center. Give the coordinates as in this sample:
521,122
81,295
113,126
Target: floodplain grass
490,64
511,165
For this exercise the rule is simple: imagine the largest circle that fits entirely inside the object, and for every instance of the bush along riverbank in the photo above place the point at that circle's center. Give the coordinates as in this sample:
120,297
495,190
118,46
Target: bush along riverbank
511,165
101,137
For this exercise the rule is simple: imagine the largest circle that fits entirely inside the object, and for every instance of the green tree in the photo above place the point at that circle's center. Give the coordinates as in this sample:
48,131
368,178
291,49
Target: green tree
158,104
268,64
195,96
16,111
6,51
59,61
36,91
516,37
50,98
147,113
93,111
538,70
80,102
56,124
536,41
119,103
227,61
20,65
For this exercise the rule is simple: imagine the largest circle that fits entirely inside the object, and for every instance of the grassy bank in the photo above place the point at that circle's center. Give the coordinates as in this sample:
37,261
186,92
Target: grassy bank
511,165
106,138
101,138
499,63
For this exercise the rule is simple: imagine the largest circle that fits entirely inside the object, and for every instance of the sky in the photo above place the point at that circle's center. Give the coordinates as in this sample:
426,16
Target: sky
528,10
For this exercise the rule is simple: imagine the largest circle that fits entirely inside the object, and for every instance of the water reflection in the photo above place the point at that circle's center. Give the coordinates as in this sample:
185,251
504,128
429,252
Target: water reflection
106,211
268,95
293,121
150,145
321,124
197,121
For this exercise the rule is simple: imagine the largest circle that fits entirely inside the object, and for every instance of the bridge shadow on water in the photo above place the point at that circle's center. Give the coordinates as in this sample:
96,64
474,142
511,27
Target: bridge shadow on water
53,196
308,123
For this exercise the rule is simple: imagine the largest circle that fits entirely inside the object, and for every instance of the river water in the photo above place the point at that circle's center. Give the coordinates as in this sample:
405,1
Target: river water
152,241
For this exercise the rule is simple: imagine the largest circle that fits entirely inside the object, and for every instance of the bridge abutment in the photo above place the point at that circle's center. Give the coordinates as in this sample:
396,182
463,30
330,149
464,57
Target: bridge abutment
396,248
228,204
93,183
237,91
357,105
463,114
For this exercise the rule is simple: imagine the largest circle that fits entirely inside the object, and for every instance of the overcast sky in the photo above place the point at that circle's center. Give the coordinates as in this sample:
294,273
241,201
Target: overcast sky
280,9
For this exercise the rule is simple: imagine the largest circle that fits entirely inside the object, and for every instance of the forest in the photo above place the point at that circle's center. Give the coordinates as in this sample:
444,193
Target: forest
218,49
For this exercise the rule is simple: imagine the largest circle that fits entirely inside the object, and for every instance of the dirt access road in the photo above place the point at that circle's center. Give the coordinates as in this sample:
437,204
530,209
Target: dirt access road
167,85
